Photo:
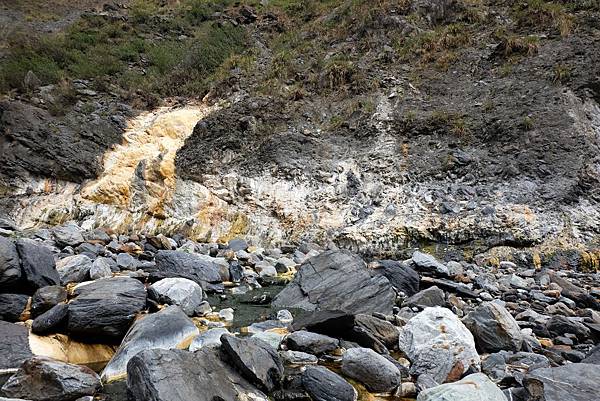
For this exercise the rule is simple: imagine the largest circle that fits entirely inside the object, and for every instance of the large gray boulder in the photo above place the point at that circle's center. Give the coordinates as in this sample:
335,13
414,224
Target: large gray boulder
377,373
46,297
494,328
337,280
74,269
14,347
45,379
51,320
313,343
438,344
175,375
68,235
572,382
167,329
10,269
427,263
432,296
257,361
187,265
403,277
185,293
475,387
37,264
104,309
324,385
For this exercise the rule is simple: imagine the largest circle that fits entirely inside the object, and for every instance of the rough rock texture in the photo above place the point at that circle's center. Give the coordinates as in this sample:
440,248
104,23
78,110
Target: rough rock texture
438,344
494,328
572,382
46,297
172,375
377,373
209,338
403,277
337,280
190,266
312,343
10,269
74,269
37,264
324,385
45,379
12,306
475,387
51,320
68,235
182,292
14,347
257,361
105,309
432,296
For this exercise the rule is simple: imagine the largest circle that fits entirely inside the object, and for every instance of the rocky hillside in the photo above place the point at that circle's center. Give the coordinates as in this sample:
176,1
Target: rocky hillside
473,124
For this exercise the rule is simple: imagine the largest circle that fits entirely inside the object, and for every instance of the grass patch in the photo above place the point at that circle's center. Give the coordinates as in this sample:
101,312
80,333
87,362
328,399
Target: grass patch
535,14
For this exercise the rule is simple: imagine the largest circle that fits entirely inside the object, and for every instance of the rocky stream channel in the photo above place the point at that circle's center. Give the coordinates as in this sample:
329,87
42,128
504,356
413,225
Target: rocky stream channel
89,314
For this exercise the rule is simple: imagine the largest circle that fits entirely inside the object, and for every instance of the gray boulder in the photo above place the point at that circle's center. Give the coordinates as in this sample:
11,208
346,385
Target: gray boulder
322,384
432,296
174,375
185,293
593,356
377,373
37,264
438,344
209,338
45,379
257,361
126,262
572,382
475,387
312,343
167,329
51,320
101,268
190,266
403,277
12,306
104,309
74,269
68,235
10,269
560,325
427,263
494,328
337,280
46,297
14,347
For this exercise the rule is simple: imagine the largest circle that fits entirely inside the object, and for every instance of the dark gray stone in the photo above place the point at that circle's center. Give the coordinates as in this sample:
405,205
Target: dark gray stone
37,264
12,306
403,277
68,235
14,347
74,269
427,263
257,361
372,332
46,297
51,320
187,265
432,296
593,356
337,280
237,244
175,375
494,328
312,343
104,309
324,385
371,369
560,325
10,269
45,379
571,382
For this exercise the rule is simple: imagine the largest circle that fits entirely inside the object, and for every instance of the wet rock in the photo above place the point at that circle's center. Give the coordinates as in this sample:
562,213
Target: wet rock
257,361
10,269
14,347
46,297
312,343
51,320
74,269
475,387
337,280
12,306
68,235
427,263
169,375
105,309
45,379
167,329
371,369
190,266
494,328
324,385
572,382
182,292
209,338
403,277
37,264
560,325
432,296
438,344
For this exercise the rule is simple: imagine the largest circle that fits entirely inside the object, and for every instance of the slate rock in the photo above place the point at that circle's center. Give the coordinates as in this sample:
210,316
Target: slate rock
312,343
190,266
377,373
257,361
571,382
104,309
185,293
167,329
37,264
10,268
324,385
237,244
403,277
46,297
593,356
100,268
210,338
12,306
560,325
51,321
370,331
337,280
427,263
291,358
74,269
14,347
474,387
68,235
174,375
432,296
45,379
494,328
126,262
438,344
